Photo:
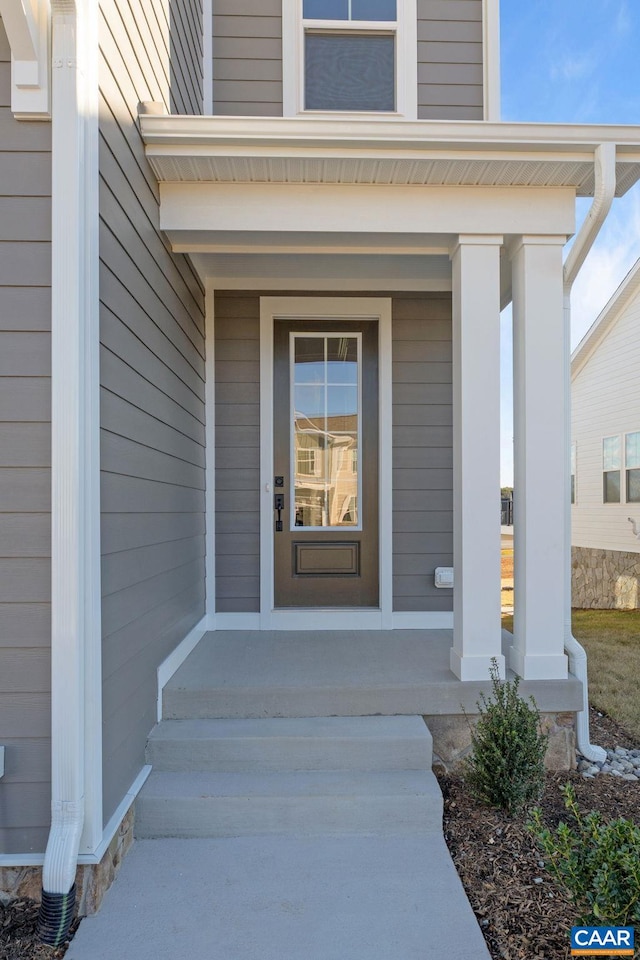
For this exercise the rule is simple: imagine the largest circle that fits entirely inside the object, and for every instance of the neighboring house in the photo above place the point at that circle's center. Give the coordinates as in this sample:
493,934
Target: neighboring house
605,455
252,263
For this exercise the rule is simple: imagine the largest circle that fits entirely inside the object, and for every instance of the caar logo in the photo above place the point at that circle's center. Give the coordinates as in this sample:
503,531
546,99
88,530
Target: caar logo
602,941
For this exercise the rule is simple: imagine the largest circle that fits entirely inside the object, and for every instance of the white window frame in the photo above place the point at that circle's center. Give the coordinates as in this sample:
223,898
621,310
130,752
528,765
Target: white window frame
574,472
406,33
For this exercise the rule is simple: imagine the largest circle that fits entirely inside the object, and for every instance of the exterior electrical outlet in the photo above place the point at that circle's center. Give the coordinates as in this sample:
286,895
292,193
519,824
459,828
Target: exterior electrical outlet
444,577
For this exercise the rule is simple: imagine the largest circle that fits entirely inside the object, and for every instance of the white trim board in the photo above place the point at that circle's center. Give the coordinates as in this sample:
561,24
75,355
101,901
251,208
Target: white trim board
322,309
210,452
318,619
177,657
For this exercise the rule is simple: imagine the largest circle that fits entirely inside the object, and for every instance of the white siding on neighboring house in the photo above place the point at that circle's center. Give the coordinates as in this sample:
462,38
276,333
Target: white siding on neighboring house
606,402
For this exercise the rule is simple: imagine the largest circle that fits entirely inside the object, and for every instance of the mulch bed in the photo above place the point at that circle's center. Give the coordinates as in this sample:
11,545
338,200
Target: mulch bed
522,914
18,933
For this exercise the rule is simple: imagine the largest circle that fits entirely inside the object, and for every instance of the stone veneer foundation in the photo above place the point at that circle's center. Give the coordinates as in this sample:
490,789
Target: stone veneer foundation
604,579
92,880
452,740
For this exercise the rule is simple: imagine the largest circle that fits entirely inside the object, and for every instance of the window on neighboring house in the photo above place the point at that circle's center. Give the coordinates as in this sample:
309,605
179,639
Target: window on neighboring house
350,56
573,472
632,466
611,467
306,461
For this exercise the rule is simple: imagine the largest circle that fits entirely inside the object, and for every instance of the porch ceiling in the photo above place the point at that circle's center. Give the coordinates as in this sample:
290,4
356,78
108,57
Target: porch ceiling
299,150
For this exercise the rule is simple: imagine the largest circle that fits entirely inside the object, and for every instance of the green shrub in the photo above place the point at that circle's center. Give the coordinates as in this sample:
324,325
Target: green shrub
597,864
506,766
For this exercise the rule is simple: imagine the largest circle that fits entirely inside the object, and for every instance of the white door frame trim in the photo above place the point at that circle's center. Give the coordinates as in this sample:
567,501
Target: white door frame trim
323,308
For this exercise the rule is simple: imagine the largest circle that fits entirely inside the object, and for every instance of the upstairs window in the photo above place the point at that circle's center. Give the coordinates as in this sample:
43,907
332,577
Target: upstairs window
632,465
611,455
350,57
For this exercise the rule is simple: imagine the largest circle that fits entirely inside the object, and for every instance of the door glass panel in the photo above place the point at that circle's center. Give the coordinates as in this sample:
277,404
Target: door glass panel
309,405
325,427
309,365
342,402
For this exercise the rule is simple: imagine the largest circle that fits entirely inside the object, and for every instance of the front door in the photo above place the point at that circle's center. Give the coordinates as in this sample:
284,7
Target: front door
326,463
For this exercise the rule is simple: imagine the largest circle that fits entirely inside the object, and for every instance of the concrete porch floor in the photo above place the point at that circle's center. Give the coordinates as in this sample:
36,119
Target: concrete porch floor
335,673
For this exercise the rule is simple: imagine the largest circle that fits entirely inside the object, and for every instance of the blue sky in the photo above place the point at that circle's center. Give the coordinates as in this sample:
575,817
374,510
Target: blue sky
574,61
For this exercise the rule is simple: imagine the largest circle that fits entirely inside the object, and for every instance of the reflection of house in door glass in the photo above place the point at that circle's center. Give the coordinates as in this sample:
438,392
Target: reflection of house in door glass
325,430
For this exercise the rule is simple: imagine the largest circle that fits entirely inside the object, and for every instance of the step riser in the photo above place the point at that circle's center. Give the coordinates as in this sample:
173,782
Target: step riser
311,816
241,704
284,754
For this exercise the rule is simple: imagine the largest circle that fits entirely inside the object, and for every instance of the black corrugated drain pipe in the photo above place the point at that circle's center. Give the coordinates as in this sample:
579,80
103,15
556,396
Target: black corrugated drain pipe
55,917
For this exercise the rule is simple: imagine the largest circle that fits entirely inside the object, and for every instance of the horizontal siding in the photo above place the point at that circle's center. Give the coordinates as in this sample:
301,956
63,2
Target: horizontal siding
152,382
25,455
422,450
247,58
237,386
606,402
450,72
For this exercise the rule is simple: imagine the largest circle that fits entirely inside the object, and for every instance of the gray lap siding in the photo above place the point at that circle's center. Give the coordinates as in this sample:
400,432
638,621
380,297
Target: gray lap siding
152,384
25,478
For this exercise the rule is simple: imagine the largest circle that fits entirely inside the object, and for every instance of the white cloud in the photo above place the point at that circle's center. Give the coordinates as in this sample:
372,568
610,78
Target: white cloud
574,68
622,23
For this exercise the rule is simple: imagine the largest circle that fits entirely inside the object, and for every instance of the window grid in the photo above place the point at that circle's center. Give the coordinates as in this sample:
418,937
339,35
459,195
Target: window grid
329,459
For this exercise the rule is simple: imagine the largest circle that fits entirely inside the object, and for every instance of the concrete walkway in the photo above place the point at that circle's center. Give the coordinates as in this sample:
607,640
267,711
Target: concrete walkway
277,898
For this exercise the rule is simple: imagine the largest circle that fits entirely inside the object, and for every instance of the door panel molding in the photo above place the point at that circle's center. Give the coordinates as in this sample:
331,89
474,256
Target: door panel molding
325,309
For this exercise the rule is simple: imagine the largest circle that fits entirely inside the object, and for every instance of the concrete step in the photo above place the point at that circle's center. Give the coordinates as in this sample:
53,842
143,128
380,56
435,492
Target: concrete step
258,700
269,745
173,804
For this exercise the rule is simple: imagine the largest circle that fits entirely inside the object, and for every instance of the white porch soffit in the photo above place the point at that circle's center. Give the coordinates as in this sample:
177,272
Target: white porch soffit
257,150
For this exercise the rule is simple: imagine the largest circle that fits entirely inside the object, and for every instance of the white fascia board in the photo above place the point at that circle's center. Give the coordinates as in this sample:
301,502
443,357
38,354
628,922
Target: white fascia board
311,208
421,134
608,316
28,26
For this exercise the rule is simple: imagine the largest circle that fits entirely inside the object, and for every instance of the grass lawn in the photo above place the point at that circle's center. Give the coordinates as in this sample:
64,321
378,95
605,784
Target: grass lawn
612,641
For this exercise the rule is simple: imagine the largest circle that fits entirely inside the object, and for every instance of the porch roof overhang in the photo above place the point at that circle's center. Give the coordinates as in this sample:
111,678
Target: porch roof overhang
187,149
239,194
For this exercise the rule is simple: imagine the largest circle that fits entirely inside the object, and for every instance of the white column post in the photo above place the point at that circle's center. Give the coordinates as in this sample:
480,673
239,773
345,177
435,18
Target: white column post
541,369
476,457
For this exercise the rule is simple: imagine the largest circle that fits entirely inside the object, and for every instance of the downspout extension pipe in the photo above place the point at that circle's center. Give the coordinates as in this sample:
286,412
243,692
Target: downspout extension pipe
604,191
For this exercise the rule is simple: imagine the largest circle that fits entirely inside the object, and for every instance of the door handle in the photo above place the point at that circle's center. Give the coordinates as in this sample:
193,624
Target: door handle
278,505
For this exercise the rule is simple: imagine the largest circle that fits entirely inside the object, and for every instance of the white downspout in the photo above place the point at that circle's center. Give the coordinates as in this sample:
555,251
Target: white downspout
73,488
604,191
